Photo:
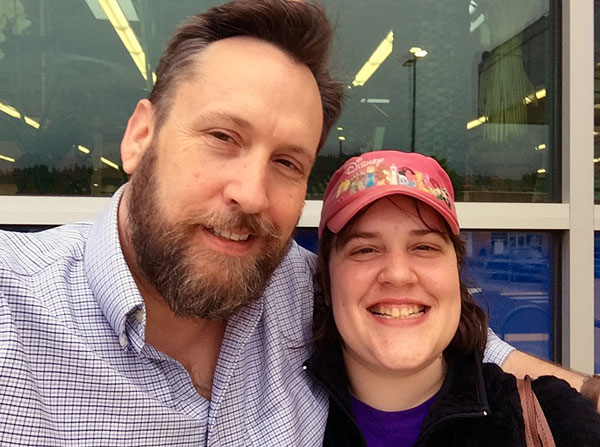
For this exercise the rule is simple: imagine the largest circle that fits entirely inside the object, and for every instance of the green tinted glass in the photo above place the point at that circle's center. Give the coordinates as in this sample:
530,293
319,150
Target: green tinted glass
478,95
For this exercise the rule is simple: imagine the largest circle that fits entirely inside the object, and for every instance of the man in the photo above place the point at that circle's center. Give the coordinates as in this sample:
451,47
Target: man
149,326
181,315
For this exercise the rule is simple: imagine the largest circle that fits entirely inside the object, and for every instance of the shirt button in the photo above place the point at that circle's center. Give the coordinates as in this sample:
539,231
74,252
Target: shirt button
139,316
123,340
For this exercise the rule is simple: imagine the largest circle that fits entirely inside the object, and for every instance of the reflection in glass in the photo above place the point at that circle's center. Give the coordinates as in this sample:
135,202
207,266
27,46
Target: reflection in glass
597,106
512,277
509,275
481,101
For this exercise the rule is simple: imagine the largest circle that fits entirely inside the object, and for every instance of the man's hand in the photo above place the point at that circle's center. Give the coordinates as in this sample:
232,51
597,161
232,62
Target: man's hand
591,389
521,364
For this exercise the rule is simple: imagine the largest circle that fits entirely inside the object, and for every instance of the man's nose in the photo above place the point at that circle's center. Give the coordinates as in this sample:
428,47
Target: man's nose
397,270
248,189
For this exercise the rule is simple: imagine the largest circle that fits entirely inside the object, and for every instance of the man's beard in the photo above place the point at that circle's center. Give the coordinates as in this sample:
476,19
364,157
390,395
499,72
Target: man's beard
195,281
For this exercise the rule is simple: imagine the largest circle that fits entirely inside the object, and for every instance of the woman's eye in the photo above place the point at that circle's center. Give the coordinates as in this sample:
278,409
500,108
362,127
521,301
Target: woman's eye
425,247
363,251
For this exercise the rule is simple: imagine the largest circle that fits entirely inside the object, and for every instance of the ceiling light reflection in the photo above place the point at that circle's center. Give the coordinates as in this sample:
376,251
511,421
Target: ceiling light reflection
477,122
7,158
107,162
119,22
539,94
377,58
11,111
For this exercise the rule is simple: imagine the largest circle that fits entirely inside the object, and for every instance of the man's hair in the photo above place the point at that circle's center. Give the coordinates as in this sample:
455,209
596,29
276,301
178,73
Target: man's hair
299,29
470,336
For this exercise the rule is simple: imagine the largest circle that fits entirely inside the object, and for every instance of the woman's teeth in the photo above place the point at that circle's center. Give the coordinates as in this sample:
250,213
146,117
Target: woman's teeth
411,311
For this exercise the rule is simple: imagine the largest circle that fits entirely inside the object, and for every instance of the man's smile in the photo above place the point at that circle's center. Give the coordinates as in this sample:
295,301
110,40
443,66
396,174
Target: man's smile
233,236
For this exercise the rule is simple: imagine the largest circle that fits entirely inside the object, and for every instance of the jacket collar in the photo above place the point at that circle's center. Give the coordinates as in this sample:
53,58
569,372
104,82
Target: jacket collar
462,394
326,366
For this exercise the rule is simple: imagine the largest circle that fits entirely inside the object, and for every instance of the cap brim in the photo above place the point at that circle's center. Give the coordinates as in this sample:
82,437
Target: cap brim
340,219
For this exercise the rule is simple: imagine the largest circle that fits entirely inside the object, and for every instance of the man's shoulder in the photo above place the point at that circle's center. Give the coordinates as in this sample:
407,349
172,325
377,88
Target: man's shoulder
290,291
28,253
294,277
300,259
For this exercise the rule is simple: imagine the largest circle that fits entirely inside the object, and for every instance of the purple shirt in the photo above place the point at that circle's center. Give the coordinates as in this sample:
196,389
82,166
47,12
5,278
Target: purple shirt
390,428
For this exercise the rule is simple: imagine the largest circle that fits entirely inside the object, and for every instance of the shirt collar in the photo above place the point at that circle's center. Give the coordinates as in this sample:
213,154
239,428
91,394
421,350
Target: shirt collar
107,272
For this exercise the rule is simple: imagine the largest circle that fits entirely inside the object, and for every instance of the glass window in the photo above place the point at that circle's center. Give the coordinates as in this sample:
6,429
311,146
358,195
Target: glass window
469,82
71,72
478,95
597,103
509,274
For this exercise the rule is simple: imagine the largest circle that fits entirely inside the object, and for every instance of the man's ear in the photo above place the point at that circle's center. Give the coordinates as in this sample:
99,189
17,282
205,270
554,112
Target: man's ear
138,135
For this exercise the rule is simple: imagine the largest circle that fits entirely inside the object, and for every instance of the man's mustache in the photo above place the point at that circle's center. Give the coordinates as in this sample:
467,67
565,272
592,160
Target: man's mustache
258,226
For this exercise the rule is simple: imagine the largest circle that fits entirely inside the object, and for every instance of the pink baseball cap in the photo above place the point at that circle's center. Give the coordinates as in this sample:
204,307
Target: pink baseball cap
373,175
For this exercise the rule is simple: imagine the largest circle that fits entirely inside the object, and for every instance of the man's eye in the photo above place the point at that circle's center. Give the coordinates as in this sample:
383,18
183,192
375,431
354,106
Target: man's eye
289,164
221,136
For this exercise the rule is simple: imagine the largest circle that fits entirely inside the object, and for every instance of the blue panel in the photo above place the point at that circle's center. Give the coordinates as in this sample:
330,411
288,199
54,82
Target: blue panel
509,275
597,302
307,237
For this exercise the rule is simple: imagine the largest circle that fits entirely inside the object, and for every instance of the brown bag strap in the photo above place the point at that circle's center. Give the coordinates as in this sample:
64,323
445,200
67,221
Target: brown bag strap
537,431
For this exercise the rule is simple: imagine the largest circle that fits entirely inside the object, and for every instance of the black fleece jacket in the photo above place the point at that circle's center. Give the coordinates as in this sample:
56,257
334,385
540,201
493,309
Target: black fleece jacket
478,405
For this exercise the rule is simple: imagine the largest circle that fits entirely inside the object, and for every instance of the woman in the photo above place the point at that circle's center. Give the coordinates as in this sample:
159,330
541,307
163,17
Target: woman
398,338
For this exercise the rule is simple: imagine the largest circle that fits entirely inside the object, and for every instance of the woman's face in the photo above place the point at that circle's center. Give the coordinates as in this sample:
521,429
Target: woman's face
395,288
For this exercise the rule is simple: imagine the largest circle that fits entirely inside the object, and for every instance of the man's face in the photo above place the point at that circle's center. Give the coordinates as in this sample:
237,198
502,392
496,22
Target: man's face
217,194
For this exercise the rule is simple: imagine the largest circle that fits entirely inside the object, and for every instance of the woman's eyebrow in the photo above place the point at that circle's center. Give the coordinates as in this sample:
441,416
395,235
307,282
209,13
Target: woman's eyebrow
356,235
427,231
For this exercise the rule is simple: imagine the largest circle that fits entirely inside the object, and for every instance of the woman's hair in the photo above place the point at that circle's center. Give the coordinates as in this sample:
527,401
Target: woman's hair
471,334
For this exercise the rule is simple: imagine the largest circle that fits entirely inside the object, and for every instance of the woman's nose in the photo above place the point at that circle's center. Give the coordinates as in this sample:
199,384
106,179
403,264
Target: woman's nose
397,270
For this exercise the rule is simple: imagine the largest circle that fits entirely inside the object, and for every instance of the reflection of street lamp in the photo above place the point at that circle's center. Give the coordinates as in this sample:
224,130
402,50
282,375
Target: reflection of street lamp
417,53
341,139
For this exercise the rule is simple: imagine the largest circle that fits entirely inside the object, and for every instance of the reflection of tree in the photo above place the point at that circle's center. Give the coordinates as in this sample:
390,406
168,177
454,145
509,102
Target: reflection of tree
78,112
12,19
326,165
503,81
456,179
322,171
52,164
38,179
